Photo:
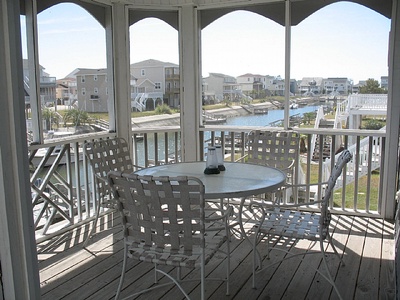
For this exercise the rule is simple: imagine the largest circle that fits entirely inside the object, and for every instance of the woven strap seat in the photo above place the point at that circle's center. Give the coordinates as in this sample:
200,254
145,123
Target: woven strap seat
176,258
294,224
287,221
163,222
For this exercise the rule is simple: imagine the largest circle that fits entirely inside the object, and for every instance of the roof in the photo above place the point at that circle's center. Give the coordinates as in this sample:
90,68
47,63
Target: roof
143,81
306,81
251,75
91,72
220,75
152,63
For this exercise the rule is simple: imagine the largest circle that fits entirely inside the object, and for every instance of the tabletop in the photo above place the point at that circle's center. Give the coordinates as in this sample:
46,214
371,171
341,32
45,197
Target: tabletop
238,180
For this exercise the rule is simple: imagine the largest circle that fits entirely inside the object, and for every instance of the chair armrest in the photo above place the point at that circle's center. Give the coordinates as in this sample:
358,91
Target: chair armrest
270,205
260,202
222,221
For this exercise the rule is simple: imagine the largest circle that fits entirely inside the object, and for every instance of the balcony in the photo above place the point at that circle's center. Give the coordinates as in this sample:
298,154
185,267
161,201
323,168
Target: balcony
68,270
62,190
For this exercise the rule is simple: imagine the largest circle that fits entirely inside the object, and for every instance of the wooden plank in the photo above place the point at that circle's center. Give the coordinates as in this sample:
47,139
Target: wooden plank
306,273
68,250
346,278
368,279
81,267
387,274
72,272
281,280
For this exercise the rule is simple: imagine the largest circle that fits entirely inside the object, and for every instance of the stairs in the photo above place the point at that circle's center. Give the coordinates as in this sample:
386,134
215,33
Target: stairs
326,141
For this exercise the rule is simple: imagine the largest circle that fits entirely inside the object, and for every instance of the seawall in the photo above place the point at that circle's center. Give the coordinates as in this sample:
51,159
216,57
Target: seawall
174,119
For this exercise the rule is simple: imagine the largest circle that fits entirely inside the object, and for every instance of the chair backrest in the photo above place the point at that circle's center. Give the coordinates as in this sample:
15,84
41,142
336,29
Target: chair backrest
278,149
160,212
342,160
105,156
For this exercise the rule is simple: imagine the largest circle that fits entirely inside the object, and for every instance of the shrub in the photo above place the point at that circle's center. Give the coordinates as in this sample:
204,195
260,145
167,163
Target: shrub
163,109
374,124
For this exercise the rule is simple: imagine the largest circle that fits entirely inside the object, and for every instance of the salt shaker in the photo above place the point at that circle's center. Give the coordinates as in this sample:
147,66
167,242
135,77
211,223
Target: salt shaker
212,162
220,158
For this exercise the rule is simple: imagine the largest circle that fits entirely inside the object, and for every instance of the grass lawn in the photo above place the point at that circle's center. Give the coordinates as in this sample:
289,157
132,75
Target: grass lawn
349,191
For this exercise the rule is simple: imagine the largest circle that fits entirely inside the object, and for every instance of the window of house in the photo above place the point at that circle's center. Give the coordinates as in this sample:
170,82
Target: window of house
96,90
157,85
142,72
95,77
83,91
83,79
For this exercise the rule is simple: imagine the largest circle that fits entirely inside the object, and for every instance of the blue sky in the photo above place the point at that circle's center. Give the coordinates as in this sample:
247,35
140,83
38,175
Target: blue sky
340,40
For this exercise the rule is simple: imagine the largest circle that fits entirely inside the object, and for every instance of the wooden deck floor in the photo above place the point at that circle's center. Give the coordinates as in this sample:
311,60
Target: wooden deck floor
67,271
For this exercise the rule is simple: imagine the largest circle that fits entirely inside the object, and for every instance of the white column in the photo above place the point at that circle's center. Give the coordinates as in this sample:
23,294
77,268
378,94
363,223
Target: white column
288,28
117,37
190,82
20,276
393,114
34,74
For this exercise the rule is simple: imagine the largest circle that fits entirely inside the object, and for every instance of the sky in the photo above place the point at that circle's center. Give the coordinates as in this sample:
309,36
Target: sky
340,40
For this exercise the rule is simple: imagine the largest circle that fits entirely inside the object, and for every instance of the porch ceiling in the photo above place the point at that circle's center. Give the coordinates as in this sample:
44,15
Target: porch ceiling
212,10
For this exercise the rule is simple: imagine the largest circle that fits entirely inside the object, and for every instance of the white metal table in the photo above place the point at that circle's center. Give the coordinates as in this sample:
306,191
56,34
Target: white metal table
239,180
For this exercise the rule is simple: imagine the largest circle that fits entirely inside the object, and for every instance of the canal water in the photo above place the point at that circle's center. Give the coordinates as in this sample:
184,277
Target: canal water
267,119
248,120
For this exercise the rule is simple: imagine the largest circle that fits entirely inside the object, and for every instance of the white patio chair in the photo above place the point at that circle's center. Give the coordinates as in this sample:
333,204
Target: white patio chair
164,223
105,156
278,149
288,221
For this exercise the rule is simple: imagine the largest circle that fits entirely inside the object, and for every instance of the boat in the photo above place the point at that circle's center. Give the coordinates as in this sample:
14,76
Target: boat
260,111
293,105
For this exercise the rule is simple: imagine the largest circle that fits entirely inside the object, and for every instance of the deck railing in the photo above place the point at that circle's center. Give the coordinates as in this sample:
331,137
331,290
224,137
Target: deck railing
62,189
368,101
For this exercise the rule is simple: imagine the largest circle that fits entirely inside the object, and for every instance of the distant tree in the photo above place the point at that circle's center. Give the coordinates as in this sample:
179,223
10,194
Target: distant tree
372,87
308,117
76,117
50,116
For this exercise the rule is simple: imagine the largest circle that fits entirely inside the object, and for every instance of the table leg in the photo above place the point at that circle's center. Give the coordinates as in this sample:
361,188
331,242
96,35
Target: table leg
243,232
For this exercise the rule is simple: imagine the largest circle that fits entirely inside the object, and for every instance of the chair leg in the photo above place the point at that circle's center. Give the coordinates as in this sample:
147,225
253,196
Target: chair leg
228,261
203,277
256,256
328,275
121,280
330,240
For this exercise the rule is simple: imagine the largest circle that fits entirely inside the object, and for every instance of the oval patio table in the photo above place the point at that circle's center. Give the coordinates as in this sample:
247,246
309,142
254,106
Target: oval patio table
238,180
